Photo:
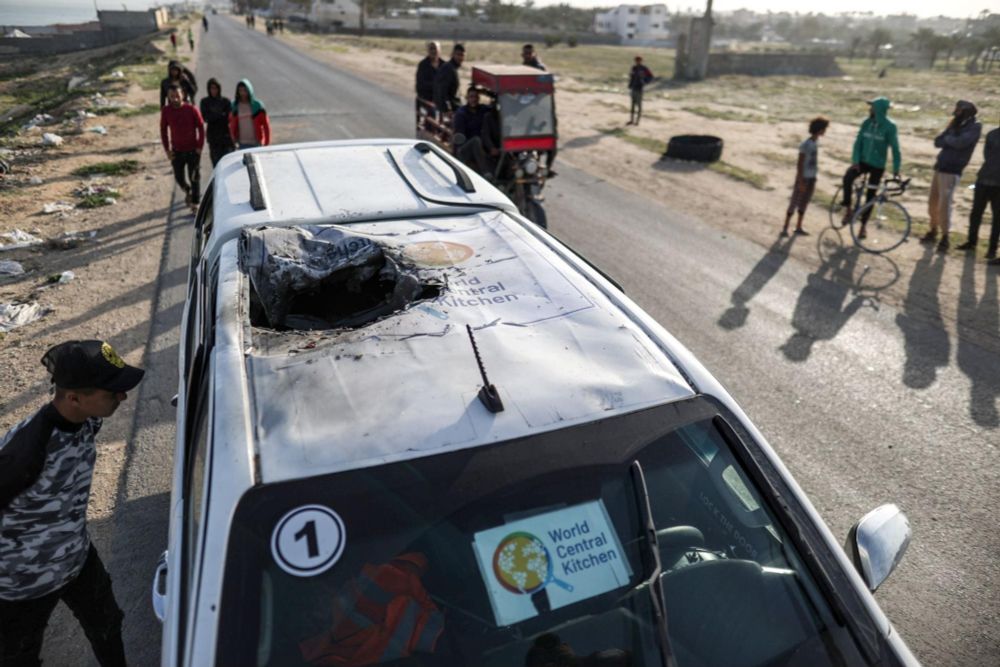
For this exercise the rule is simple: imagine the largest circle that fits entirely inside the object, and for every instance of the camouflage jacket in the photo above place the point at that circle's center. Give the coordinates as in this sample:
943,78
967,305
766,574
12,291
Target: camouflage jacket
46,466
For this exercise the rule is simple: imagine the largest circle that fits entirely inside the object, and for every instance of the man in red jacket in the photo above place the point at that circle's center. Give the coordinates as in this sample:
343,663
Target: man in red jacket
182,132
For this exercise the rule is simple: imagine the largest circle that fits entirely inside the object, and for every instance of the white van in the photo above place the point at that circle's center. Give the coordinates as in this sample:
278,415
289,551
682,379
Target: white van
415,429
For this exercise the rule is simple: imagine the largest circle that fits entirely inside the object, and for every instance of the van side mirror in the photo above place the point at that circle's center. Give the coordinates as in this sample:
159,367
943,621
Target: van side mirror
877,542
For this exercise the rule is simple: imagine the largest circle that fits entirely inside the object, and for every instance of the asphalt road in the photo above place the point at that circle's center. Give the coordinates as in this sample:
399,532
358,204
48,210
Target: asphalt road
865,403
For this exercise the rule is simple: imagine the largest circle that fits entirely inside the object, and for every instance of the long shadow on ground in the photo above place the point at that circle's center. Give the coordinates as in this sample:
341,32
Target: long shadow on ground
980,365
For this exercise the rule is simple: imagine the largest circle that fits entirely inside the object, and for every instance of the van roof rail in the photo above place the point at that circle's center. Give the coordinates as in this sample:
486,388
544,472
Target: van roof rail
257,199
461,177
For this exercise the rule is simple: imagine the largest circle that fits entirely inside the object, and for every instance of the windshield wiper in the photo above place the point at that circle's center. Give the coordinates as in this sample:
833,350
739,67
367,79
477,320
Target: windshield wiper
653,583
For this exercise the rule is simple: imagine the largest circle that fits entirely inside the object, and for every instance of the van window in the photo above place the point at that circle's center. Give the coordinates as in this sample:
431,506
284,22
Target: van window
194,488
202,225
494,555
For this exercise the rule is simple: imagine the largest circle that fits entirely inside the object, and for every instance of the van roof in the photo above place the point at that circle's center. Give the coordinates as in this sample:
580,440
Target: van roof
335,181
558,348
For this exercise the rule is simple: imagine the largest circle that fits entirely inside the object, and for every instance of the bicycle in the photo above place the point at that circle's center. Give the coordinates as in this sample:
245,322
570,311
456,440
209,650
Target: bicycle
880,224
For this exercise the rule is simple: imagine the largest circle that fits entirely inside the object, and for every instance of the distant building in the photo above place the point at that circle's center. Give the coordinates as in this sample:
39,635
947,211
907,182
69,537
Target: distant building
438,12
635,23
149,21
336,13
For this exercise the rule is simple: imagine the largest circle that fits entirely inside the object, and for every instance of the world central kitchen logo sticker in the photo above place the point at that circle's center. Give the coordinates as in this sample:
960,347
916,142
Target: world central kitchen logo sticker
570,554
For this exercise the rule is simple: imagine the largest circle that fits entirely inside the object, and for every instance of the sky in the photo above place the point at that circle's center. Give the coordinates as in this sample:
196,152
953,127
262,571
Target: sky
924,8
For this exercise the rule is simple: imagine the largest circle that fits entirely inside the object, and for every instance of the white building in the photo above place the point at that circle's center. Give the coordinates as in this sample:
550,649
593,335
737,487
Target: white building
336,13
635,23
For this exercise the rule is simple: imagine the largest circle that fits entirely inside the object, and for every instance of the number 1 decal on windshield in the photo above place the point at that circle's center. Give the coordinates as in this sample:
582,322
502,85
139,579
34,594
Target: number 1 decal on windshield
308,540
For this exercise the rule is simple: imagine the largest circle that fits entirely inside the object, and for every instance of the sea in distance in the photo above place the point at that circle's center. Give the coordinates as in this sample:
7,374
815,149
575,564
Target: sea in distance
48,12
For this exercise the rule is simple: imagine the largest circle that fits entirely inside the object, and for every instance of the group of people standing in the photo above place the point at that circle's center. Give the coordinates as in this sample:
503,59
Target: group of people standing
876,137
474,126
225,124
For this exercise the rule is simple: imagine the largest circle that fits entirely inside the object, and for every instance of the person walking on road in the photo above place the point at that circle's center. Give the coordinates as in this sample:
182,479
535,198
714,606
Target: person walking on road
182,132
191,38
46,469
805,175
876,135
987,191
426,71
249,126
173,42
183,77
638,77
957,143
446,82
215,110
204,23
530,59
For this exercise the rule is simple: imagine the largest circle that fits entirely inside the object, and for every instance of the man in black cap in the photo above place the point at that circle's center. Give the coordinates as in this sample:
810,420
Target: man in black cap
46,467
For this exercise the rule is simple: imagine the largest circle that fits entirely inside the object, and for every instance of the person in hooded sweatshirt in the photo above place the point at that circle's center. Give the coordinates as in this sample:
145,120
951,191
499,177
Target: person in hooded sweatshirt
248,123
183,77
876,136
957,143
215,110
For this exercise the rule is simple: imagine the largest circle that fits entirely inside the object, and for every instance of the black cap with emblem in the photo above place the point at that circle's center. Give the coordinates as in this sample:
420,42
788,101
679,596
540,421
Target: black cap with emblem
90,364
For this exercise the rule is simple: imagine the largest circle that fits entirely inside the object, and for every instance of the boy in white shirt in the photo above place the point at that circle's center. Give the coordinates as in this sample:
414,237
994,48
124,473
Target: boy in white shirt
805,174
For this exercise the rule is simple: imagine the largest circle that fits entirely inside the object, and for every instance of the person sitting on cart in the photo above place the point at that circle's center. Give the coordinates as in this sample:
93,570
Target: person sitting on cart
426,72
467,130
446,84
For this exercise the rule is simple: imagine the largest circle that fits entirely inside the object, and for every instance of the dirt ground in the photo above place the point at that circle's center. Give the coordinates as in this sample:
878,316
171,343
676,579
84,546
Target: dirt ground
747,193
115,257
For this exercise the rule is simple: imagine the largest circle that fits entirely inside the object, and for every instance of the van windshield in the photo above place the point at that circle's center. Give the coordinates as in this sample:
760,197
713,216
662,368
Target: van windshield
528,552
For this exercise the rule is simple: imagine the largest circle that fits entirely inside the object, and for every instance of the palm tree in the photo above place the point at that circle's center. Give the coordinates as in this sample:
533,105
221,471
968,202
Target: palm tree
878,38
855,43
927,41
952,42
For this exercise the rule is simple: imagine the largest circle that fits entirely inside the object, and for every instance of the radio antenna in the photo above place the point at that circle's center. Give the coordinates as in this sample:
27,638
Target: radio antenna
488,394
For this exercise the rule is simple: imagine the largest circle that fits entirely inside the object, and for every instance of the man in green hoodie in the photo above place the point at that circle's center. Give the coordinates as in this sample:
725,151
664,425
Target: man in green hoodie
876,135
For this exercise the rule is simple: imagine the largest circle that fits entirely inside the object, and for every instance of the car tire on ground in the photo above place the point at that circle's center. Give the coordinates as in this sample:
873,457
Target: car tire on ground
695,147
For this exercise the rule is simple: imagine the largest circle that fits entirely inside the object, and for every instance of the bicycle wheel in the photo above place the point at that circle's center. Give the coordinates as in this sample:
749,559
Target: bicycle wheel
836,208
887,227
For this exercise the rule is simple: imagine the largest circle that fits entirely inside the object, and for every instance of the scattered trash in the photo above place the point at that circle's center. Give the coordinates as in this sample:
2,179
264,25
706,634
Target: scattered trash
11,268
39,119
83,113
34,180
117,74
102,102
61,278
4,167
71,239
18,239
76,82
14,315
49,139
57,207
98,129
91,190
914,108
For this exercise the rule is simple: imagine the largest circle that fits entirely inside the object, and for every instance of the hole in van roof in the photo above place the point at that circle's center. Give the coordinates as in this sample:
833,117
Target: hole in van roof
322,278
